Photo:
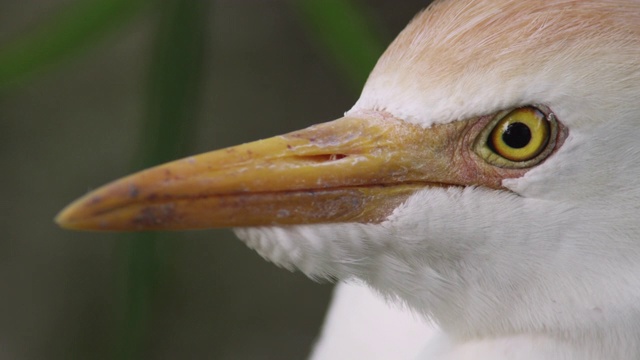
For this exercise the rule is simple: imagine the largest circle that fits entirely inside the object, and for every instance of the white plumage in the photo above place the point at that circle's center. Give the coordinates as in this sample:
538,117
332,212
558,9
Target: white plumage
477,257
360,324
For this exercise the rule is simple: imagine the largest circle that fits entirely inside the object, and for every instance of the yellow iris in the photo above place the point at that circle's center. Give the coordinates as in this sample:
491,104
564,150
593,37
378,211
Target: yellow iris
521,135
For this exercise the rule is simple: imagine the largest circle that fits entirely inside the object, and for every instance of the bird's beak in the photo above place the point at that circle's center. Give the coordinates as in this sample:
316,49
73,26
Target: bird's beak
348,170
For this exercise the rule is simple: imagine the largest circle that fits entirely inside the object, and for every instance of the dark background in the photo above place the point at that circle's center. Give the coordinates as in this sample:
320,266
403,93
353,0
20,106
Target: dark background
85,116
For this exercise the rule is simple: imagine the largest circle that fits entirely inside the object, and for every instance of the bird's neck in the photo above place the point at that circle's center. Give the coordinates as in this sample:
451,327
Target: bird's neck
508,333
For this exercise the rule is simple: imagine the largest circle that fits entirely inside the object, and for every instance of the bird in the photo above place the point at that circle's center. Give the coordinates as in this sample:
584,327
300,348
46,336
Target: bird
481,199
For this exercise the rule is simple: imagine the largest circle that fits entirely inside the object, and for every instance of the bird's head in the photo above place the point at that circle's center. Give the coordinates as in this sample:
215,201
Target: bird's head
487,176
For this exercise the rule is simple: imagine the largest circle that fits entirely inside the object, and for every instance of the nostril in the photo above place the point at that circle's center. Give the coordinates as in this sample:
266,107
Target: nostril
334,157
322,157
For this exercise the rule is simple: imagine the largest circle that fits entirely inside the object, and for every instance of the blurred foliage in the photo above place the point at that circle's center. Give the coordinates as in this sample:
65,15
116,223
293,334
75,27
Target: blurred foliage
340,27
175,75
73,30
344,31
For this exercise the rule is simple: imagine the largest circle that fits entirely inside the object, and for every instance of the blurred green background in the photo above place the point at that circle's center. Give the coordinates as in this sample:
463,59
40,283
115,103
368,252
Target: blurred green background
91,90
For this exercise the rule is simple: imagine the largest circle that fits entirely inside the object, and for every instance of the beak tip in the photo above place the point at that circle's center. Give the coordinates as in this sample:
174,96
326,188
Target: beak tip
59,220
72,216
64,218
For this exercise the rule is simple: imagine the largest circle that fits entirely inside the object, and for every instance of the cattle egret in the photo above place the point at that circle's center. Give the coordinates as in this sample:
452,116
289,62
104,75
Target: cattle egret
488,179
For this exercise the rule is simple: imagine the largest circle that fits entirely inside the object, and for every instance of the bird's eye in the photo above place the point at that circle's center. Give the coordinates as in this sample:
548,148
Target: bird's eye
518,138
521,135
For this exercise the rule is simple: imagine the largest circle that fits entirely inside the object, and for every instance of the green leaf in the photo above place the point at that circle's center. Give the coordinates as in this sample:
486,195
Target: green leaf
347,34
73,30
176,73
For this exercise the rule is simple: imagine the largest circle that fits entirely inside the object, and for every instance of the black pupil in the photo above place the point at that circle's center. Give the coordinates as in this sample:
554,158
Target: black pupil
517,135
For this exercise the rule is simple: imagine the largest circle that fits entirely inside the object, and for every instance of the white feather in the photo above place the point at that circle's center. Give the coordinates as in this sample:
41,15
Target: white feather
372,330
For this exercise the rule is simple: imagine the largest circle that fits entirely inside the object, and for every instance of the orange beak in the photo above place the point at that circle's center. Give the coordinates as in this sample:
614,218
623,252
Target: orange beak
347,170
